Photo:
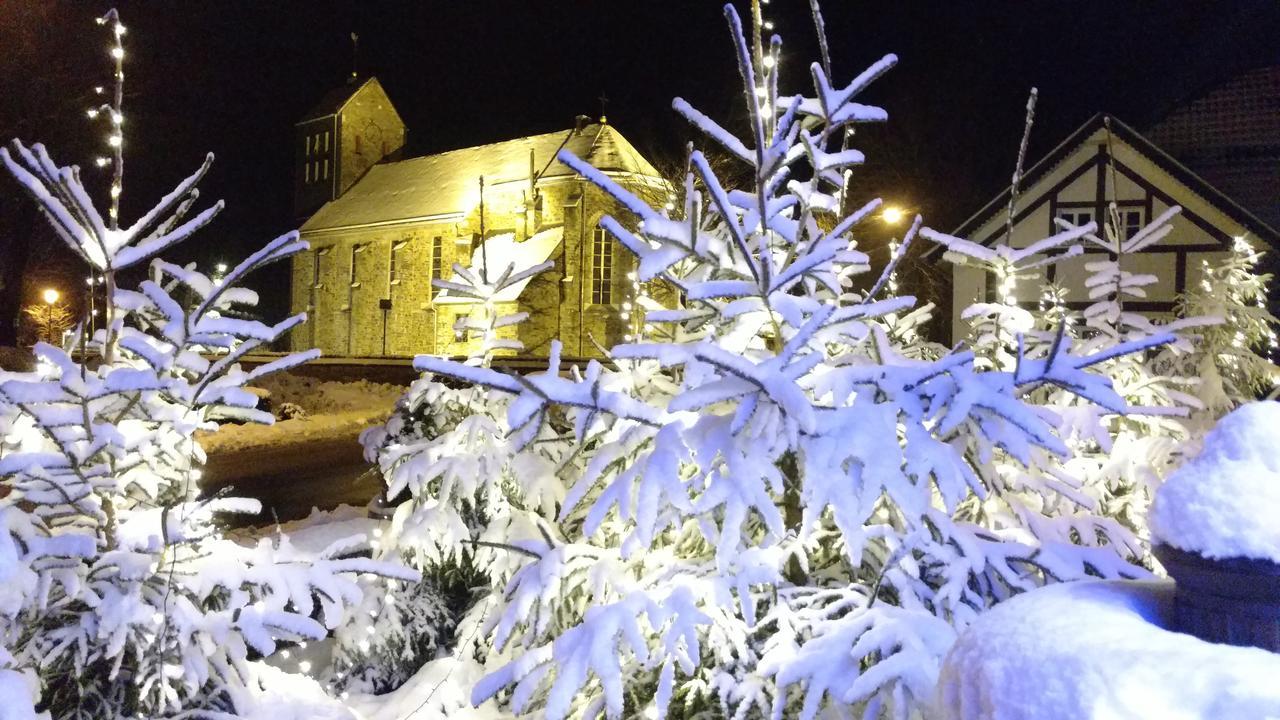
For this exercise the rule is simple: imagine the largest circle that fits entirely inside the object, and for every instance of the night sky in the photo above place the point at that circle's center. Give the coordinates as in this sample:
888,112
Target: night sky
233,77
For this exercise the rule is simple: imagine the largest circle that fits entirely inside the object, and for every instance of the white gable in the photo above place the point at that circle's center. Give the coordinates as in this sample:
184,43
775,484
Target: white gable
1079,181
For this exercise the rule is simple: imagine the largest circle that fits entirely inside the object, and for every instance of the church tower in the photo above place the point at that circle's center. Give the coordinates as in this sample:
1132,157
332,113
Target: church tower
353,128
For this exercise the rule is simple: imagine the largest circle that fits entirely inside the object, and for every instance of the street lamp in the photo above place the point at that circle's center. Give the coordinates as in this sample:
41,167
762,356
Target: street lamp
50,297
892,214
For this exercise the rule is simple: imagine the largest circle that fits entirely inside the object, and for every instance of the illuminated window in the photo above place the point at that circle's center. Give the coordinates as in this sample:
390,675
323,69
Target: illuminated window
308,139
601,268
326,141
437,261
326,168
307,171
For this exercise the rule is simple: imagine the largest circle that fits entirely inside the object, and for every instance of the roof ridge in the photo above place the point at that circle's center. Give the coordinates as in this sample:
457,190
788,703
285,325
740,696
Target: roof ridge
484,145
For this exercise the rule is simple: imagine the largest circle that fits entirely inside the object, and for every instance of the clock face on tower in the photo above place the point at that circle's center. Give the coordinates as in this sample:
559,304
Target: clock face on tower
372,136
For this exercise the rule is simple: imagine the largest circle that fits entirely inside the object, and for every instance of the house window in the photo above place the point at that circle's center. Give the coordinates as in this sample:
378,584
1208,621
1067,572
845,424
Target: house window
437,261
601,268
326,168
393,263
1075,217
308,139
307,171
326,141
1130,223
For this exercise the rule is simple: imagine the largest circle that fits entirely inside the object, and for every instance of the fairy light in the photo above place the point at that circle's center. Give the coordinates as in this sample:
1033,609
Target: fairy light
114,112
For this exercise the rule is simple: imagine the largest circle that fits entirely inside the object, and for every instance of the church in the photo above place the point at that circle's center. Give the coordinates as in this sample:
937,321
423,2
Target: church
382,227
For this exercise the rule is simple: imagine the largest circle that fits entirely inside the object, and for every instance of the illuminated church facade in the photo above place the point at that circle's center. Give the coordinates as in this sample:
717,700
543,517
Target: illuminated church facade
381,228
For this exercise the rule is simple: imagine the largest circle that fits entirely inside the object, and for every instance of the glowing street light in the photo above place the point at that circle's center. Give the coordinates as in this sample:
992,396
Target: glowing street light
50,295
892,214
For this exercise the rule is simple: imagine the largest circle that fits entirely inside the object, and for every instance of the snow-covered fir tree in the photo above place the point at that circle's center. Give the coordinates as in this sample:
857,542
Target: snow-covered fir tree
444,450
788,511
121,598
1234,360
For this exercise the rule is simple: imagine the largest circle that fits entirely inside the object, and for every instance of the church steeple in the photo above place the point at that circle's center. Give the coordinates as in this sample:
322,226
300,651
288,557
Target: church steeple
353,127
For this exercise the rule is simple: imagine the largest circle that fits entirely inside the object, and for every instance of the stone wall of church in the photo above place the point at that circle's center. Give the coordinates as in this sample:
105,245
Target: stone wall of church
346,318
369,129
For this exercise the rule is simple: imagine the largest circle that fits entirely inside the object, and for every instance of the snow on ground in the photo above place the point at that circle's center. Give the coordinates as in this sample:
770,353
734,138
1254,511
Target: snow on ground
315,533
441,689
1097,651
279,695
334,410
328,396
1225,502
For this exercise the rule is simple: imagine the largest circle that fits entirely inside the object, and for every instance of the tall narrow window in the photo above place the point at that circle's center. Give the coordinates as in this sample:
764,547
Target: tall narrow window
437,261
601,268
326,168
393,262
326,141
308,139
315,266
307,171
355,259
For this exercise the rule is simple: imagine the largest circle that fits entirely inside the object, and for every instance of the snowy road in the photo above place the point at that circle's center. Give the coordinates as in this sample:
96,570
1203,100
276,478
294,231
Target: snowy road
293,466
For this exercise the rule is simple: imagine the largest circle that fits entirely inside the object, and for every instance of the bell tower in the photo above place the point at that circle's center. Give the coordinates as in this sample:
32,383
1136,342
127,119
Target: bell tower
353,127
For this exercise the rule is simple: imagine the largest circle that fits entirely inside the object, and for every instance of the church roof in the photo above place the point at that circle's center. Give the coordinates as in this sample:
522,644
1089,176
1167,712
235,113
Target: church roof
335,99
504,251
448,183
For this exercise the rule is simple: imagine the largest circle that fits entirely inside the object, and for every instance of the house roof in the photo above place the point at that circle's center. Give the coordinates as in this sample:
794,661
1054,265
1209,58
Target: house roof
448,183
334,100
504,251
1143,146
1230,136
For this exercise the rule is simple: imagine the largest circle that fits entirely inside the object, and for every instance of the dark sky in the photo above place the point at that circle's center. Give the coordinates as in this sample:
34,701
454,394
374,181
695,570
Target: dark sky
233,77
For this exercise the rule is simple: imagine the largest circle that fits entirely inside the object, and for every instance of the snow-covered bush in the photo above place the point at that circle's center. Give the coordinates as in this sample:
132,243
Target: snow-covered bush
120,595
784,513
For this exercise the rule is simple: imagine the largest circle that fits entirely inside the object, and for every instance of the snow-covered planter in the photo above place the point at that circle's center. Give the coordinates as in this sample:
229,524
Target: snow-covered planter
1095,650
1217,534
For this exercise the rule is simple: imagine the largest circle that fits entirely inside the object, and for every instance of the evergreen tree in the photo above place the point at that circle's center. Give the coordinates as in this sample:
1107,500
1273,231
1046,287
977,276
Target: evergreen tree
1234,358
788,510
121,597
